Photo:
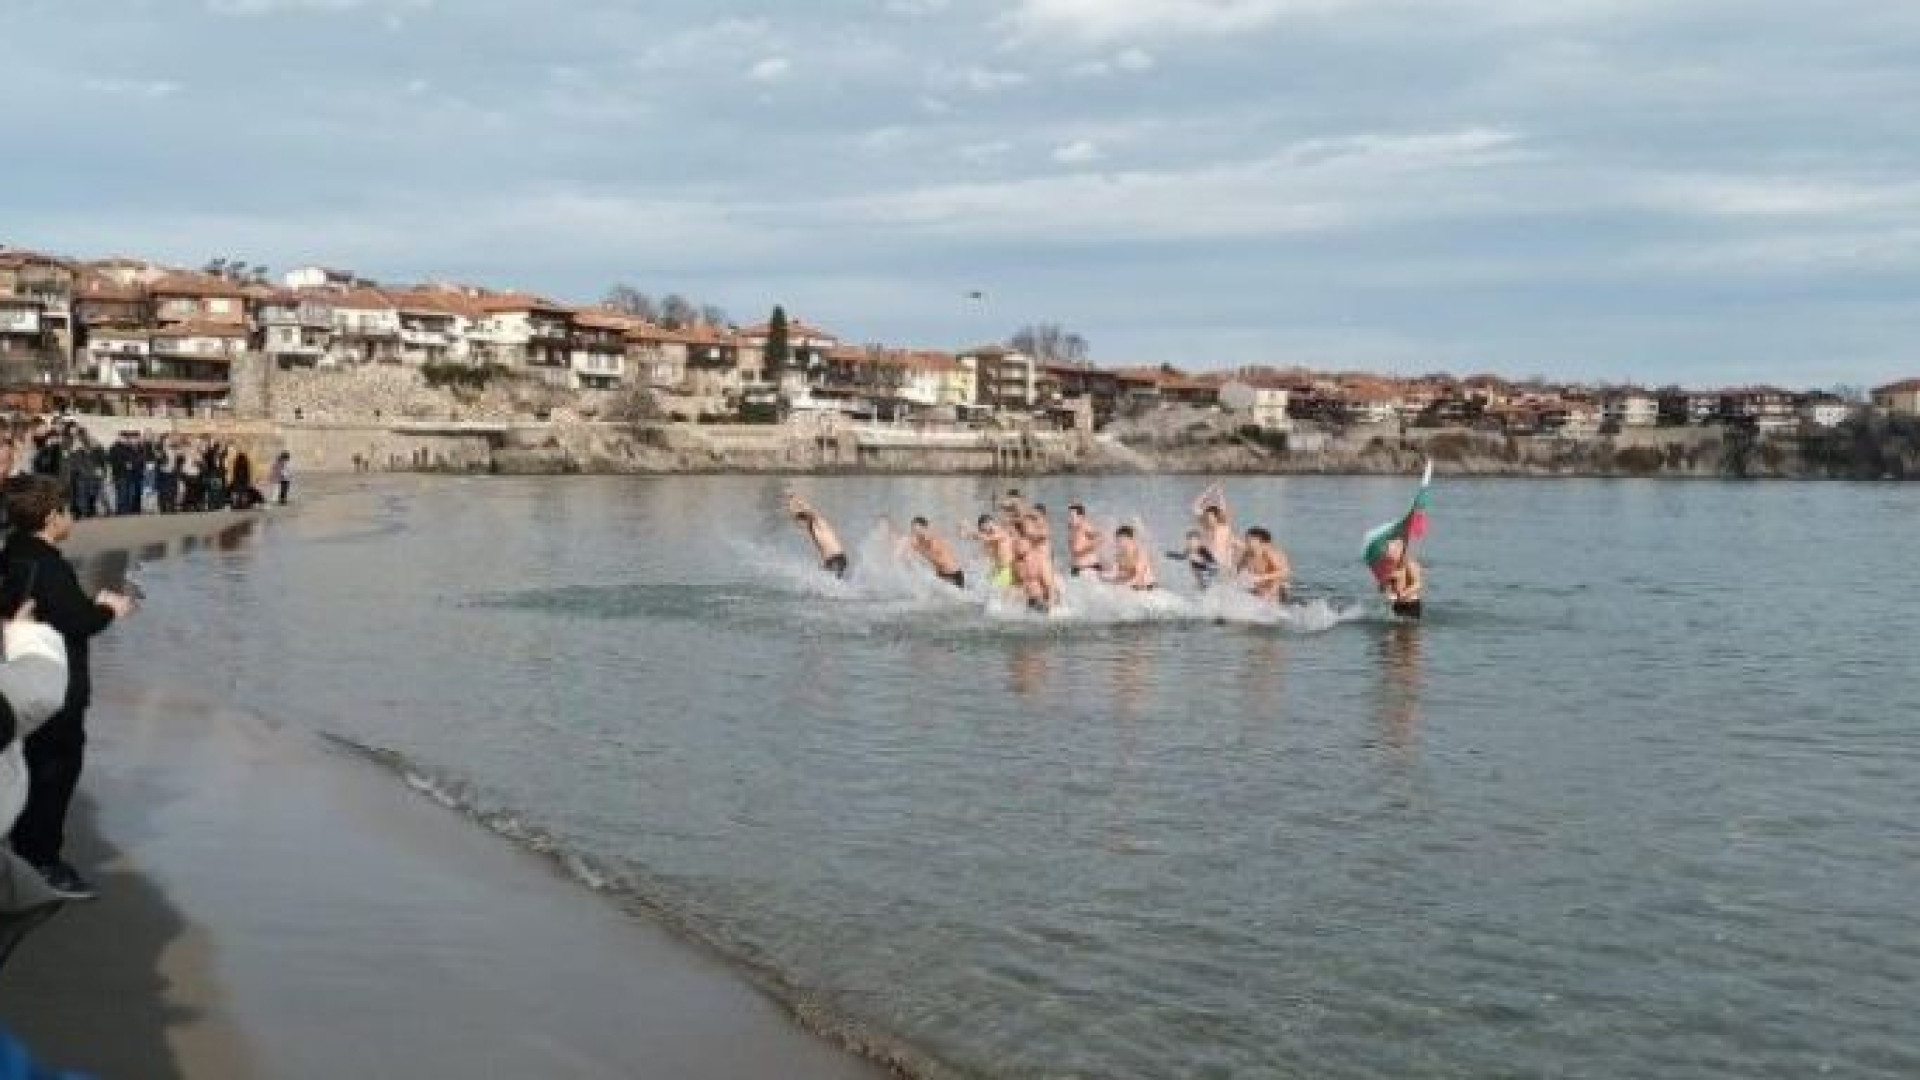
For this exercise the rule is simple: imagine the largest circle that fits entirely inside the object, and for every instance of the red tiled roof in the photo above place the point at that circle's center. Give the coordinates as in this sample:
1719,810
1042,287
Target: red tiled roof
198,285
522,302
1904,386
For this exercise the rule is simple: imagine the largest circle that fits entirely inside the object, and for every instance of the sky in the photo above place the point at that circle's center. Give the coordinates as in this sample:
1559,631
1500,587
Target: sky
1701,191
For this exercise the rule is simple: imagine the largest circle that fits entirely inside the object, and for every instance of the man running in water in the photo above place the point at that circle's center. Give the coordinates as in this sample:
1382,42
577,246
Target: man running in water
1405,582
1216,527
1131,567
1033,565
1198,559
1264,566
928,545
1083,544
833,556
998,542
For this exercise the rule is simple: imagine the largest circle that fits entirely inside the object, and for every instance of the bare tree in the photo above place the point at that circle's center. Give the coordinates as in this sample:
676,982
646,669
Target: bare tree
628,300
1049,343
677,312
714,315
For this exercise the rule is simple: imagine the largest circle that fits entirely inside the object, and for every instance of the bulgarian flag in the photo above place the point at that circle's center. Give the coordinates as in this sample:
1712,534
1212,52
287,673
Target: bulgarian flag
1409,528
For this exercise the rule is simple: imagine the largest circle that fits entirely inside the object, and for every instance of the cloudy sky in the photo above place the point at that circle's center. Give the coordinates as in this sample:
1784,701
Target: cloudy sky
1701,190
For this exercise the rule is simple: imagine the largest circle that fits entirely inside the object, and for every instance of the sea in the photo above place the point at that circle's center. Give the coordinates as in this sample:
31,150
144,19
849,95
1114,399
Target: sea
1639,797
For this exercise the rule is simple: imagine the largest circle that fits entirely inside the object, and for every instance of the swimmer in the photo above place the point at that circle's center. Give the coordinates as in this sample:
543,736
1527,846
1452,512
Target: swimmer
1033,564
998,543
1013,507
937,553
1083,544
1216,526
1131,567
1198,559
1264,566
1405,582
833,556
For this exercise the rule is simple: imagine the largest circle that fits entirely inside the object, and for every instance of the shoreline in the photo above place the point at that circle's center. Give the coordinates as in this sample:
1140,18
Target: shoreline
270,905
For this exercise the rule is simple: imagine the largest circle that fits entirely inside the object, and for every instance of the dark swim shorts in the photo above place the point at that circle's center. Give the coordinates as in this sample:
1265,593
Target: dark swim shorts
957,579
1407,609
837,566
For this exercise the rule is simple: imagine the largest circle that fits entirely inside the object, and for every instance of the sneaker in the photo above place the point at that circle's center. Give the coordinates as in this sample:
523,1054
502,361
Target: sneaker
66,882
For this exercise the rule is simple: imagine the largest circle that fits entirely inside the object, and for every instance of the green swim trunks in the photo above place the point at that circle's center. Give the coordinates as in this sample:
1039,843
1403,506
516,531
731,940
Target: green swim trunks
1003,577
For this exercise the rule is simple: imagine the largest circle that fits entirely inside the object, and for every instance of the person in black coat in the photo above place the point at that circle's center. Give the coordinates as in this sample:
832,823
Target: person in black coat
38,521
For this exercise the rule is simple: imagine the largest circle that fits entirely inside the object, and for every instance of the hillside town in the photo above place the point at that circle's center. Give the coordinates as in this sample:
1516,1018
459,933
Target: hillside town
131,337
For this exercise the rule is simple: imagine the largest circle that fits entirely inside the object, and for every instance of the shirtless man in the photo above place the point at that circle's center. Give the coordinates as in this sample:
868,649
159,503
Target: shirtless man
1012,508
1198,559
998,542
1131,567
938,554
1033,565
1083,544
1216,526
1264,566
833,555
1404,582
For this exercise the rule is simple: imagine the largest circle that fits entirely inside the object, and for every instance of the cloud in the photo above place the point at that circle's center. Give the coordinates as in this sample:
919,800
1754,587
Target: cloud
1132,61
1039,21
978,79
772,69
916,8
278,7
1078,152
149,89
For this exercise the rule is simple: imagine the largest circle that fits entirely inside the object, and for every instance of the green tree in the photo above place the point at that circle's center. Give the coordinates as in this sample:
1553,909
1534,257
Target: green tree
779,352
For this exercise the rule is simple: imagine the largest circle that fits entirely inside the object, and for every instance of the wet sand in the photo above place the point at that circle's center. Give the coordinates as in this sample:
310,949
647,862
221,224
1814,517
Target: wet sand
274,907
97,536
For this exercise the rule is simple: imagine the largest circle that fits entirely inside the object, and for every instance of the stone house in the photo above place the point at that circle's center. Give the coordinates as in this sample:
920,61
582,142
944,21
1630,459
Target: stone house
1898,399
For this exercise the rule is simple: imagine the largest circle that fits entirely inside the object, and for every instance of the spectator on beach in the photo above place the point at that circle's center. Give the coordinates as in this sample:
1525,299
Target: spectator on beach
33,685
34,569
166,484
280,476
123,463
244,496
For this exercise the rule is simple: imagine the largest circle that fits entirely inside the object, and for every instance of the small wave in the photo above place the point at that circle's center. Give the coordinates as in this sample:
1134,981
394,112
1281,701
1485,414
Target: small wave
635,895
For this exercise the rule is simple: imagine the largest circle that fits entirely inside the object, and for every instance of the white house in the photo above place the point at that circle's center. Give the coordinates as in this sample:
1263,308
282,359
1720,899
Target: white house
1632,408
317,277
1263,403
366,328
1825,412
116,355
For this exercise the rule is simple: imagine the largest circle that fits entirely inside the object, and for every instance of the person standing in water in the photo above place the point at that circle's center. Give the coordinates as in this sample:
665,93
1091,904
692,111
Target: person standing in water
1083,544
833,555
1131,567
1264,566
1403,584
939,555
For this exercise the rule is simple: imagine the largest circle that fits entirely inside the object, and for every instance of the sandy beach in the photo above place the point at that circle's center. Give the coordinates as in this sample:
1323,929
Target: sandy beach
272,906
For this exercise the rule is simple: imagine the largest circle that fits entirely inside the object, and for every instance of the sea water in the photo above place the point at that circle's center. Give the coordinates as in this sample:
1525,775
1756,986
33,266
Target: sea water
1640,797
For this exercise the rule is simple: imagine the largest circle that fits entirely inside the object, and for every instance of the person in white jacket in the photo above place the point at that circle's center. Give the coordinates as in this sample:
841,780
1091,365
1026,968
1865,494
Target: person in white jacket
33,686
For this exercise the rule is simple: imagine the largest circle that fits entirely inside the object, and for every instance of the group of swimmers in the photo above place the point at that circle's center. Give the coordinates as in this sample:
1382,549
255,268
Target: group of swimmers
1018,545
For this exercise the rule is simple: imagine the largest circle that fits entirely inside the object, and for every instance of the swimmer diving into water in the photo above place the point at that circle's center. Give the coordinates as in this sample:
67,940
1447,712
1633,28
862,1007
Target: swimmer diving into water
833,555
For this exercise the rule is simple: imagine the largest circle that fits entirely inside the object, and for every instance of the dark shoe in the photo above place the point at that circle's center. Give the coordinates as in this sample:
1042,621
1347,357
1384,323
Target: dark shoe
66,882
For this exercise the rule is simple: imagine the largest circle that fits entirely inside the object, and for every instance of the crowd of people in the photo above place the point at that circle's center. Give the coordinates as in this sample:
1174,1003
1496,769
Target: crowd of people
141,473
1017,545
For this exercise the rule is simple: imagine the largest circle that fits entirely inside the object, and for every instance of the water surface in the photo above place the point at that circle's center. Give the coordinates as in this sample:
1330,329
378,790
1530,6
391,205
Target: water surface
1638,799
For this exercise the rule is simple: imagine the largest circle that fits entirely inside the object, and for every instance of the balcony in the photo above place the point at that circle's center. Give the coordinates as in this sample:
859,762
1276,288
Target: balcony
426,339
19,322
